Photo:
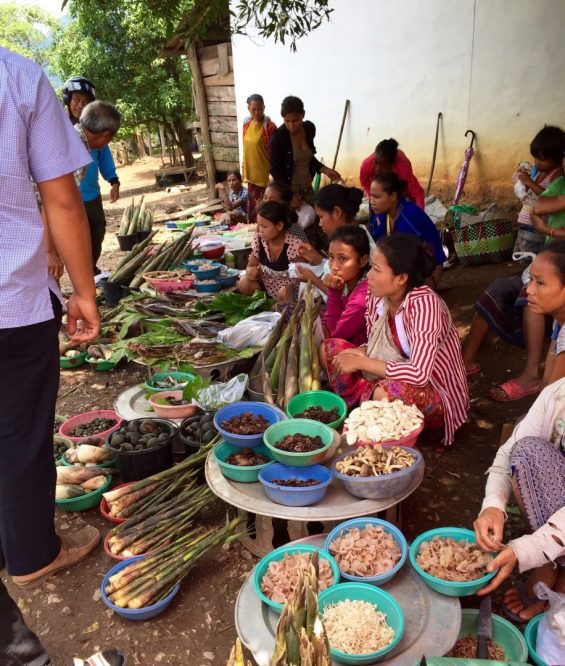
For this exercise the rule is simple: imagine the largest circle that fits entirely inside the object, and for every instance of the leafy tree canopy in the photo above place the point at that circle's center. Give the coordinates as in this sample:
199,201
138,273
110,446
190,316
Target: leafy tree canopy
25,30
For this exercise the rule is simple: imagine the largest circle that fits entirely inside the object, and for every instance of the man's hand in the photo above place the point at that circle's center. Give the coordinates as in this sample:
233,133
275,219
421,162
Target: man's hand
334,282
83,310
310,254
114,192
54,264
505,562
489,529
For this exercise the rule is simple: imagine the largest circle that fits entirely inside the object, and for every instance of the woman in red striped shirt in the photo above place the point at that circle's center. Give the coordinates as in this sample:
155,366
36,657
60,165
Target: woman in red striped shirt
413,353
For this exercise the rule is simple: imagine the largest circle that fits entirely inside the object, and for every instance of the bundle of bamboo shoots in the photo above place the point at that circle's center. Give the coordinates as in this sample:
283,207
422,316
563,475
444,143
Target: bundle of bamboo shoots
136,217
236,657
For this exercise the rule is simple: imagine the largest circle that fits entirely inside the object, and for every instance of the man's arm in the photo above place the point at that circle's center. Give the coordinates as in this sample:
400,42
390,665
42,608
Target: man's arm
549,205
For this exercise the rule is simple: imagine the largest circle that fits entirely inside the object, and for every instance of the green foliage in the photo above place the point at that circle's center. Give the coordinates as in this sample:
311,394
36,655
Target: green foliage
25,30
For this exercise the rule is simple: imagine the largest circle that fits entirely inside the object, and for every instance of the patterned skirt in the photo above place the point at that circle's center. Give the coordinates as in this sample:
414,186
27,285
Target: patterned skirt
501,305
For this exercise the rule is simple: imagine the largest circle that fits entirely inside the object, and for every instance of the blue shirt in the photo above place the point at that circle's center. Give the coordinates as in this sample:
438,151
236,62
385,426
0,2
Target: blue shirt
411,220
101,160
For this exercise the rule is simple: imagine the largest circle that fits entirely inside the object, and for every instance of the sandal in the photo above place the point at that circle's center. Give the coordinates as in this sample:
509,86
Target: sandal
511,390
526,599
473,370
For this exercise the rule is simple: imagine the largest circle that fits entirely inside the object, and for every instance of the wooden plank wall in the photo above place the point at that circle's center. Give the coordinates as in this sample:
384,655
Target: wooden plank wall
216,64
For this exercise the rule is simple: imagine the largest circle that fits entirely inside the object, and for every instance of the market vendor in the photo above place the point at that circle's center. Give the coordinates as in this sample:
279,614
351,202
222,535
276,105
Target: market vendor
413,352
530,466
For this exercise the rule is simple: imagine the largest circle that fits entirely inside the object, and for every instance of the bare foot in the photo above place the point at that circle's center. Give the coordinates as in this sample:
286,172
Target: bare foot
512,598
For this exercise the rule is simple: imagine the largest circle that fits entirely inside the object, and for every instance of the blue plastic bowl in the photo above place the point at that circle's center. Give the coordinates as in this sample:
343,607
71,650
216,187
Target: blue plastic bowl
250,474
202,223
208,288
531,636
269,412
295,496
191,265
228,279
383,601
278,554
360,523
208,273
143,613
449,588
170,225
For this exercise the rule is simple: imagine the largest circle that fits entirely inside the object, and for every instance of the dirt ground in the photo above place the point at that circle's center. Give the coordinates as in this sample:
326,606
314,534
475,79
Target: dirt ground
198,629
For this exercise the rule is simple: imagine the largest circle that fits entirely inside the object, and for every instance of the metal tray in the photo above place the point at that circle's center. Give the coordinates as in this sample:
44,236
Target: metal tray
432,620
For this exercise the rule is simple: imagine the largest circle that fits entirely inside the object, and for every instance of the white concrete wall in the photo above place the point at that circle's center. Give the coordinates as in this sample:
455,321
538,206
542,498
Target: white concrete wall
494,66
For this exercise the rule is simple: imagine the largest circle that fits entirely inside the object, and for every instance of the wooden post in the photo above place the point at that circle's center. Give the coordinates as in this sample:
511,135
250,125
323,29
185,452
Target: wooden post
202,110
163,143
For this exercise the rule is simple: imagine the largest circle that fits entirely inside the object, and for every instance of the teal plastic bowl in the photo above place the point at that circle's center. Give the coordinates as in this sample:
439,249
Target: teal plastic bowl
323,399
531,635
84,502
222,450
66,362
150,387
449,588
383,601
278,554
278,431
504,633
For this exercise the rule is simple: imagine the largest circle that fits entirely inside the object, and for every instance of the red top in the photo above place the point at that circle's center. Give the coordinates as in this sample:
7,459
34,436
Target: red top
403,168
345,316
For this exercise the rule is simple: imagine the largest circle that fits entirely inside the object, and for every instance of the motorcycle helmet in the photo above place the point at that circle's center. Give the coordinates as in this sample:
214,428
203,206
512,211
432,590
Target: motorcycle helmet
77,84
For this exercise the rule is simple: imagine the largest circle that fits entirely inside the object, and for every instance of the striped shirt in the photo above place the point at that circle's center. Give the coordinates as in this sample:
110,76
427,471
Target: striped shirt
435,353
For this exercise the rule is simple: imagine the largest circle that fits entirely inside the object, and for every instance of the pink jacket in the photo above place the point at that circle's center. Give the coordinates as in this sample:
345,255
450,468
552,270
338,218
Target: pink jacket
403,168
345,317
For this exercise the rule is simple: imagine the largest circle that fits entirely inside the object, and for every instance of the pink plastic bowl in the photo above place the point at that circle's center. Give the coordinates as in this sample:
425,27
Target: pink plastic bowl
170,285
79,419
408,440
172,411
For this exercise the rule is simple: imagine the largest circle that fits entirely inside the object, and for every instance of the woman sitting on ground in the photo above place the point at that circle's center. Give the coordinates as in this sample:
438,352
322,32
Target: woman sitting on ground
235,199
282,194
392,213
413,353
273,249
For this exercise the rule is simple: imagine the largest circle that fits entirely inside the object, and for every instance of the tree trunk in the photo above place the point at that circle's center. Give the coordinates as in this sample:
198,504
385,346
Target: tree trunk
185,142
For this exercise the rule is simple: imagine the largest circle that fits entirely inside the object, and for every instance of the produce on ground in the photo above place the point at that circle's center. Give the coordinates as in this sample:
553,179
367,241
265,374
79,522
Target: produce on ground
92,427
453,560
246,423
379,420
76,481
466,648
299,443
140,435
59,450
247,458
236,657
136,218
233,306
356,627
375,461
87,454
283,577
295,483
169,383
319,414
100,351
72,353
369,551
199,430
59,420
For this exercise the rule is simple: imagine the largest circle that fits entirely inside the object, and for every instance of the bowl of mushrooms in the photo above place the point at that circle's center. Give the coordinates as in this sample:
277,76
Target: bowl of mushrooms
378,472
383,422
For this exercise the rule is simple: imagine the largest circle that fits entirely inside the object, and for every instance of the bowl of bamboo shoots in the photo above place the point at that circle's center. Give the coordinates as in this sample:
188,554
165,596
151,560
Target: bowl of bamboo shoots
80,488
105,509
89,451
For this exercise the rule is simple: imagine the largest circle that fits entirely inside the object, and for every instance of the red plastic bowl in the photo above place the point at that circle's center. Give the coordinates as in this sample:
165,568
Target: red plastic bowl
110,553
104,510
408,440
213,252
79,419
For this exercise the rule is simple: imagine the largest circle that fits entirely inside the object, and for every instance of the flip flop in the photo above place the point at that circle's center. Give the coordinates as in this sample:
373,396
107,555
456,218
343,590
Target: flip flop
526,599
512,390
475,370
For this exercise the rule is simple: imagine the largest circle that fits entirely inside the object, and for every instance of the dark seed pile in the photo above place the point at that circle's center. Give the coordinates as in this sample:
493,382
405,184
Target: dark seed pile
466,648
246,424
319,414
92,427
295,483
175,402
299,443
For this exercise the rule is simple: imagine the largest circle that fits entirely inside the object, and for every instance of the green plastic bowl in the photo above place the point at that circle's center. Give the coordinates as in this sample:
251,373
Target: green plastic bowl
383,601
84,502
323,399
278,554
66,363
66,463
100,364
184,225
531,634
277,431
447,587
150,387
223,450
504,633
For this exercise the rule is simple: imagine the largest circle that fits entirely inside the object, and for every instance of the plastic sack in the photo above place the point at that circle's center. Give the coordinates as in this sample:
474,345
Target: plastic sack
317,270
218,395
550,644
251,332
435,210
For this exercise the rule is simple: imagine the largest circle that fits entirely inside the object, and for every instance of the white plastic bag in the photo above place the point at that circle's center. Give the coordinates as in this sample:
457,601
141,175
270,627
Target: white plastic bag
550,644
251,332
218,395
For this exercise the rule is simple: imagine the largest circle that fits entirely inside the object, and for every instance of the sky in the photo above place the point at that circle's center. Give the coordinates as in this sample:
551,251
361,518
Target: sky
52,6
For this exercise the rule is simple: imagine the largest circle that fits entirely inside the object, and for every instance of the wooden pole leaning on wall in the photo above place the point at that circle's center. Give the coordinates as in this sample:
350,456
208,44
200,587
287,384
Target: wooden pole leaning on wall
202,109
346,108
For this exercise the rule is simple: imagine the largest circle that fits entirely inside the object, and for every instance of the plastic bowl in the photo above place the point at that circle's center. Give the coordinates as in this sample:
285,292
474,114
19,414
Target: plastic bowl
276,432
213,251
360,523
85,417
184,225
250,474
408,441
208,287
166,286
192,265
84,502
108,552
278,554
383,601
504,633
269,412
108,463
207,274
531,635
143,613
228,279
106,512
171,411
323,399
67,362
100,364
150,387
449,588
379,487
169,224
290,496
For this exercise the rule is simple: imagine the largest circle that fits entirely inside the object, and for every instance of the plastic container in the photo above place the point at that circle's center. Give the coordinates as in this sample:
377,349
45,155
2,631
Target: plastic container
106,512
142,235
213,251
184,225
169,224
276,432
531,635
250,474
104,465
165,285
126,243
113,292
269,412
408,441
289,496
208,287
208,273
360,523
278,554
84,502
383,601
504,633
449,588
65,441
192,265
85,417
137,465
143,613
240,258
150,387
228,279
100,364
323,399
67,362
171,411
108,552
